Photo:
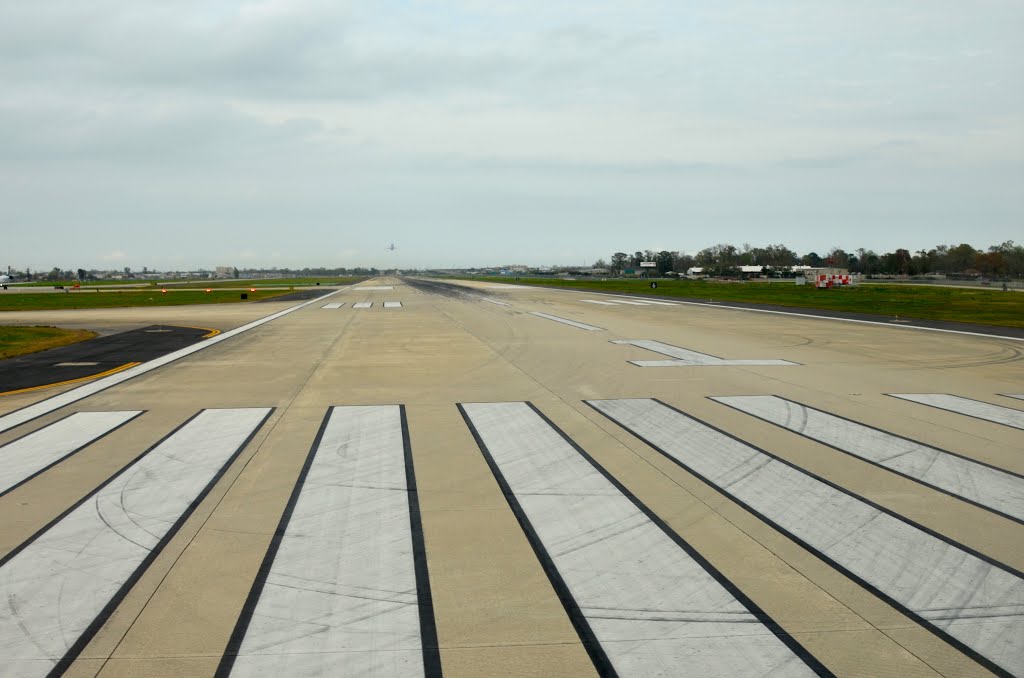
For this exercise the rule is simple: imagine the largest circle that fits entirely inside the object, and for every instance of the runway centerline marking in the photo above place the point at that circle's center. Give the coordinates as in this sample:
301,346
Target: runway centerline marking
372,288
964,597
346,572
684,357
973,481
30,455
61,585
566,321
1007,416
115,377
494,301
643,601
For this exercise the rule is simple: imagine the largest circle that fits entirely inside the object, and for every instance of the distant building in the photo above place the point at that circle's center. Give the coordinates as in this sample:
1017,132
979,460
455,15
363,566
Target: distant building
224,272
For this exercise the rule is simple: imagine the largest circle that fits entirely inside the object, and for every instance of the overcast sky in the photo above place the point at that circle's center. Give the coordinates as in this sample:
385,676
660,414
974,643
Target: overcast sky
198,133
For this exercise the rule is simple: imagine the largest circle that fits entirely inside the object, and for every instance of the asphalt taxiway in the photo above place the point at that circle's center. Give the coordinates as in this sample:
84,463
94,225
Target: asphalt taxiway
412,477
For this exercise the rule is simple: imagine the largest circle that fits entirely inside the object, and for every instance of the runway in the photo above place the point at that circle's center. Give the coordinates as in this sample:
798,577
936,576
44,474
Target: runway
461,479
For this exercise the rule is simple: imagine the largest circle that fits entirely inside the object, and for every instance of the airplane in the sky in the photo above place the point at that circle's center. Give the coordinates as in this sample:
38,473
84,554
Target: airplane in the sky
391,248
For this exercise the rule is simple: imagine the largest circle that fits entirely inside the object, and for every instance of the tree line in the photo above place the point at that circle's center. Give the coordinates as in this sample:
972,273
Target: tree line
964,260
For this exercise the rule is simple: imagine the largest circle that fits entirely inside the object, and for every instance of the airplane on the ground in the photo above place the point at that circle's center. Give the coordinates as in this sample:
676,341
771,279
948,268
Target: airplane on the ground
5,278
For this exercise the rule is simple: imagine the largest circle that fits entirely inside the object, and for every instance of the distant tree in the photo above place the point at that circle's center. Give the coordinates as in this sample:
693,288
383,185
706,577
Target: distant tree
127,272
837,258
812,259
82,275
600,263
619,261
637,258
961,257
683,262
54,274
235,272
664,259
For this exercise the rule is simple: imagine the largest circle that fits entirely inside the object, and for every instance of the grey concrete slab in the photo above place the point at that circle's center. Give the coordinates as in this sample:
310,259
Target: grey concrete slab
971,600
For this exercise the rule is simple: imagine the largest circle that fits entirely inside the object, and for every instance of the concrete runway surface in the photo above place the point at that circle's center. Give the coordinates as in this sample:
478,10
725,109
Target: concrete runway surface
422,478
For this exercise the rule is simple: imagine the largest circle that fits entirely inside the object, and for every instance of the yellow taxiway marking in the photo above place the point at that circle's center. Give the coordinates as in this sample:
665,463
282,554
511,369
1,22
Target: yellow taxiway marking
74,381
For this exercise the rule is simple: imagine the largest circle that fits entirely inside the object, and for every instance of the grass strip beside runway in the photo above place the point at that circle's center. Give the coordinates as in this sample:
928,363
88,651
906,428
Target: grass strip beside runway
122,298
987,307
21,340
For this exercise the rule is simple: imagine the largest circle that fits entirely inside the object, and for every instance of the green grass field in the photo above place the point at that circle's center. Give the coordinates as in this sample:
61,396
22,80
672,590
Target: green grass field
987,307
185,284
21,340
147,297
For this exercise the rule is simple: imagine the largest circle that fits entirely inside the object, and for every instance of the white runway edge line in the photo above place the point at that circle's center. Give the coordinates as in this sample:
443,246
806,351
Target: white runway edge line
643,601
363,304
964,597
331,307
997,414
392,304
816,317
30,455
60,586
344,588
975,482
56,402
1018,396
683,357
566,321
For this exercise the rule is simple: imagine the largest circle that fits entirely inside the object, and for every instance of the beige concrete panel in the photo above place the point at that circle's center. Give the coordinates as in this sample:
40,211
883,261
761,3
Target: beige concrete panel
493,603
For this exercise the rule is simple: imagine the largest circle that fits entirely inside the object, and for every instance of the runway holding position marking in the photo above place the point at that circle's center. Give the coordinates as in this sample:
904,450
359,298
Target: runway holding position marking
977,483
643,601
683,357
392,304
61,585
331,306
972,408
363,304
29,456
971,601
343,590
566,321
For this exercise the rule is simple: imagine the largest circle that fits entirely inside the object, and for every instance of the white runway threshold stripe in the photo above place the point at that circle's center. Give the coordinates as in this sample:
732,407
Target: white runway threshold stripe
56,402
392,304
643,601
60,586
331,307
30,455
566,321
964,597
344,588
980,484
684,357
972,408
363,304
